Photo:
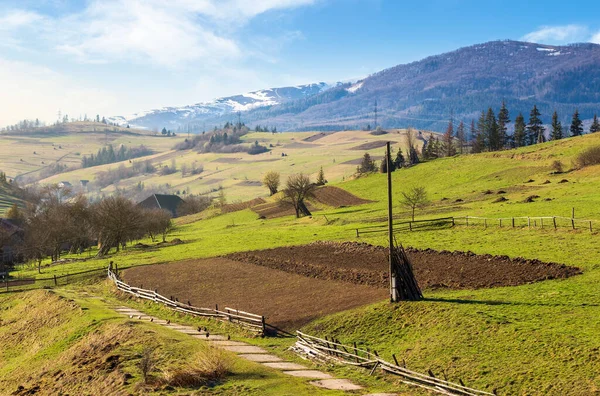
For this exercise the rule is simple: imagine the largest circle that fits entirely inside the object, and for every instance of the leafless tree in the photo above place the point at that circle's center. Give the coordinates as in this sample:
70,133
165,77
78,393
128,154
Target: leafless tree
157,222
116,220
271,181
415,198
297,188
193,204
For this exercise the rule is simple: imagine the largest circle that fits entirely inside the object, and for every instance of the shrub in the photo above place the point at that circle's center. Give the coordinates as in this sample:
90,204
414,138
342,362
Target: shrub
557,167
588,157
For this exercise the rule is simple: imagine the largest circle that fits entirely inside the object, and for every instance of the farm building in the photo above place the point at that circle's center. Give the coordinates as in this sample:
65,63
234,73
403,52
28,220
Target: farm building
162,201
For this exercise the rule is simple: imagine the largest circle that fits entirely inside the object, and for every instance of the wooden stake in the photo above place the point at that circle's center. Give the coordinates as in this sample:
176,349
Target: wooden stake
393,280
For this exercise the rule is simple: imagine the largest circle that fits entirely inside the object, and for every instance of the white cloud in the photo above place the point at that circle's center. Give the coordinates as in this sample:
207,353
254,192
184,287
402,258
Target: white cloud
562,34
38,92
19,18
595,38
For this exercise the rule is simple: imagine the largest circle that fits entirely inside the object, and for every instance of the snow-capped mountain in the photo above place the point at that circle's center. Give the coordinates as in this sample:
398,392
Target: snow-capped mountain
173,117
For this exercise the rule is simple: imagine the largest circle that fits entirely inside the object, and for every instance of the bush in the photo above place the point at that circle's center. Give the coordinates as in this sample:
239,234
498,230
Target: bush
588,157
557,167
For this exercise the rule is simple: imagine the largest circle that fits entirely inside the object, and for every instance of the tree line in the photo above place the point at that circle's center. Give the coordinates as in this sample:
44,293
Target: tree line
108,155
491,132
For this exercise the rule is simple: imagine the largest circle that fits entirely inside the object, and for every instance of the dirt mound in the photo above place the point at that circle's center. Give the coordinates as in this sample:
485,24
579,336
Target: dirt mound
371,145
531,198
563,181
501,199
365,264
336,197
236,207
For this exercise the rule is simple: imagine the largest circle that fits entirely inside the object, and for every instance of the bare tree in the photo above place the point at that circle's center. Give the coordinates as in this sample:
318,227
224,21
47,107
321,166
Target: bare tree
193,204
297,188
157,222
116,220
415,198
271,181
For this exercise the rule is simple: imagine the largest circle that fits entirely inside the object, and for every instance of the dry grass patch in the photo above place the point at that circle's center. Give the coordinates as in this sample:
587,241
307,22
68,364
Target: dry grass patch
207,367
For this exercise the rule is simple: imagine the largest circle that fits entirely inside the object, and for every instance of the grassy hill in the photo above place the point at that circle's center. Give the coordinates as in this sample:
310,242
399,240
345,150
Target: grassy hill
27,154
240,174
539,338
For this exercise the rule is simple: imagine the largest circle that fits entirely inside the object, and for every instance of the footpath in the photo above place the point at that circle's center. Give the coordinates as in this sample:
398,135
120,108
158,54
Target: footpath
252,353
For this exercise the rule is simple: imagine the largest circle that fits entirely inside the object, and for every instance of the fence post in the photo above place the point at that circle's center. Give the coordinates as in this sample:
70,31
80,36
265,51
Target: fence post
467,220
500,223
573,222
55,283
542,223
513,222
262,324
554,221
357,234
591,226
410,225
528,222
453,222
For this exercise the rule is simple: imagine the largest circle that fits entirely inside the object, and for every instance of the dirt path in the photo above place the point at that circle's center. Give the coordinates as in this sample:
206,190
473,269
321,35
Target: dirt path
248,352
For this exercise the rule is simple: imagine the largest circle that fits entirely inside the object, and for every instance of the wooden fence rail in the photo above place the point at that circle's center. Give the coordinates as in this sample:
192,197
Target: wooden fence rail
247,320
333,350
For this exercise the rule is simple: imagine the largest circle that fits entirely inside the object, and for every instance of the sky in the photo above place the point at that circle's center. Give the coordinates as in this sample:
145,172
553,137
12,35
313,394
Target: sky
119,57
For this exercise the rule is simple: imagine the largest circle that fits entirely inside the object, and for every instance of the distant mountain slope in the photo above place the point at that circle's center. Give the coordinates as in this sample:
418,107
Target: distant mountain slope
425,93
173,117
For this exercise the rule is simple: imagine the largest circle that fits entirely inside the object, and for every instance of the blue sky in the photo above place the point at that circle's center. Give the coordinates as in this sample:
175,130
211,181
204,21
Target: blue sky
117,57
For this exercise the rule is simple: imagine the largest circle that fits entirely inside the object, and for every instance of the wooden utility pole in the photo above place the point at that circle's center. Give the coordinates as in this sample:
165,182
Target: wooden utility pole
393,280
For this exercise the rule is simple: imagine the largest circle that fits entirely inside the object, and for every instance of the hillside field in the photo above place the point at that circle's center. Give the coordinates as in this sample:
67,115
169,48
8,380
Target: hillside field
538,338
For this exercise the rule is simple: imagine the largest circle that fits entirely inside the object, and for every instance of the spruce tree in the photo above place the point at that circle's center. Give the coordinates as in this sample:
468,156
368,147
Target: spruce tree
477,142
595,127
535,128
448,149
503,121
399,160
556,132
321,181
576,125
492,131
481,130
519,136
460,137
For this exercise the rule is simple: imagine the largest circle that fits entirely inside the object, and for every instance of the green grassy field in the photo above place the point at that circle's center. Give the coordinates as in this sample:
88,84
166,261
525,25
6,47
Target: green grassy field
541,338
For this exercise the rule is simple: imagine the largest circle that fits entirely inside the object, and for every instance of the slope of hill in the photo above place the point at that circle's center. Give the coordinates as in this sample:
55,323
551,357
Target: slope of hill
425,93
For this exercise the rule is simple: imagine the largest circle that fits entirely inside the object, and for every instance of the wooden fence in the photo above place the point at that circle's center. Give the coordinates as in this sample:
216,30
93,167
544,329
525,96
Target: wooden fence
333,350
247,320
549,222
23,284
411,225
541,222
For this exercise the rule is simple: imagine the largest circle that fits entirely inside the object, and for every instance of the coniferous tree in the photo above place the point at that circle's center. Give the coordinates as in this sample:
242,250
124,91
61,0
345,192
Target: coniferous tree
492,131
503,121
399,160
535,128
460,137
519,136
448,149
576,125
481,130
477,139
595,127
557,132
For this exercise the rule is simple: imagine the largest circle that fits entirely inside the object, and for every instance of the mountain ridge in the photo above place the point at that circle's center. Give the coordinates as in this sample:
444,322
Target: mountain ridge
426,93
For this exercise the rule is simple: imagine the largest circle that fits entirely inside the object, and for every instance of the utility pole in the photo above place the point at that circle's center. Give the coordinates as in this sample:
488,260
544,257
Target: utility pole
393,280
375,123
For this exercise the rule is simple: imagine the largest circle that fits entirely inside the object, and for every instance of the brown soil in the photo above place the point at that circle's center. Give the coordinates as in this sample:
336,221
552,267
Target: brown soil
249,183
236,207
226,160
287,300
273,210
365,264
358,161
315,137
333,196
371,145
